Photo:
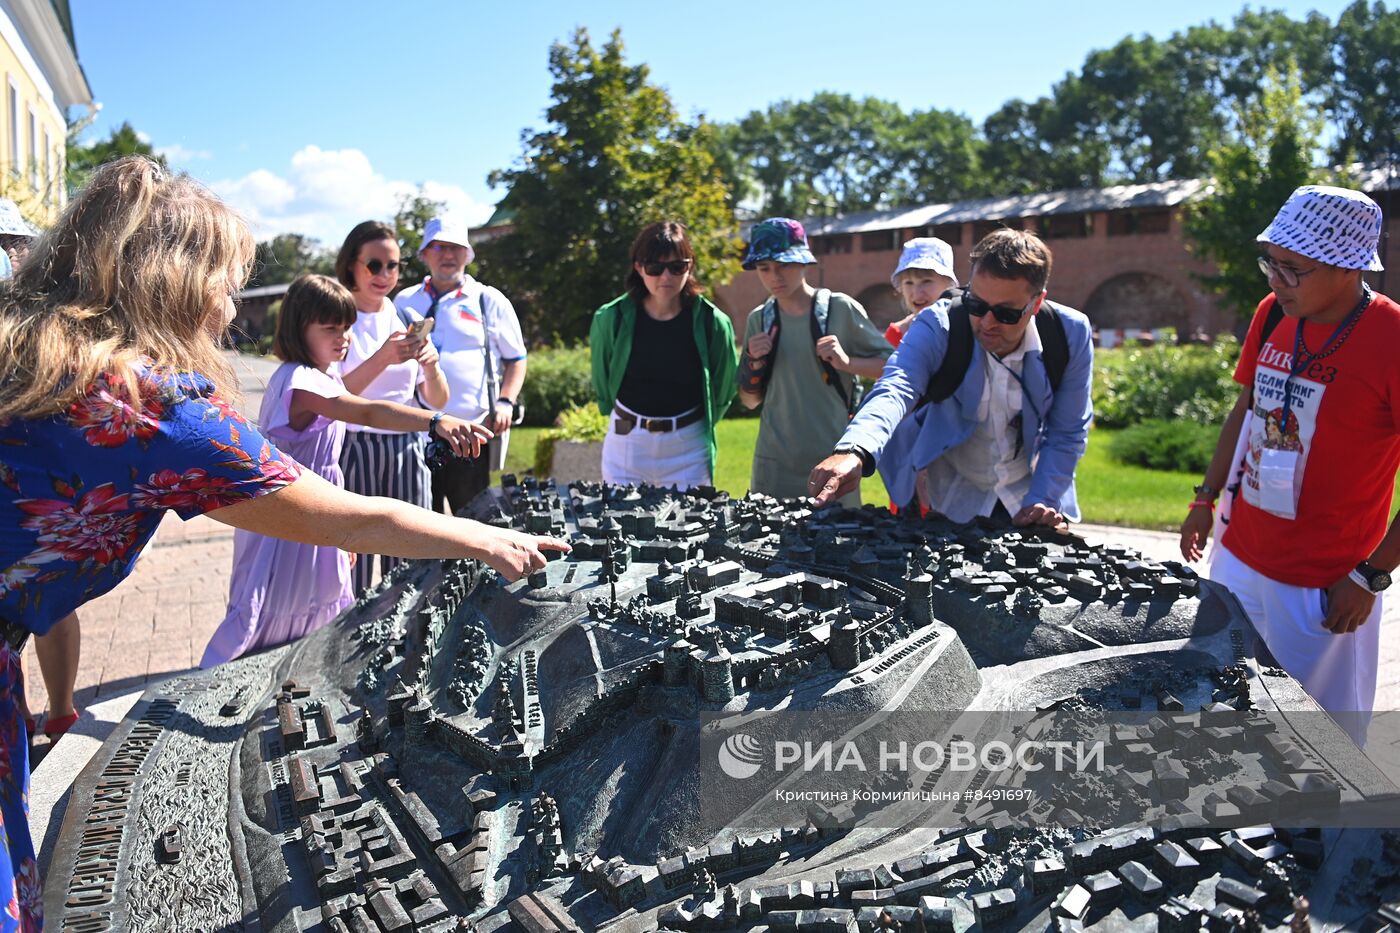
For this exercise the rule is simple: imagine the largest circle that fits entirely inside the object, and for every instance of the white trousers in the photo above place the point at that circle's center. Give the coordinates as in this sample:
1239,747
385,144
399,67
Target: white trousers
671,458
1339,671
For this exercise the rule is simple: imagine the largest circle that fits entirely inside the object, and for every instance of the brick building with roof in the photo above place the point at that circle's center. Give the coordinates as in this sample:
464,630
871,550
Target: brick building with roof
1120,252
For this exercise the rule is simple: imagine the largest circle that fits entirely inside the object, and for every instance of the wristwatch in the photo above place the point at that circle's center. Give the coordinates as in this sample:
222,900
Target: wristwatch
1370,577
508,401
867,462
1206,491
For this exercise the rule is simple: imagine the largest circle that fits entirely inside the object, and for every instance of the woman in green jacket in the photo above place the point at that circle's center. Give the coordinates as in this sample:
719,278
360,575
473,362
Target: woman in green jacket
664,364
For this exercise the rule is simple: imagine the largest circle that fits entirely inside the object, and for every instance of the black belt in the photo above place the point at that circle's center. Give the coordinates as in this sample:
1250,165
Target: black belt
13,634
657,425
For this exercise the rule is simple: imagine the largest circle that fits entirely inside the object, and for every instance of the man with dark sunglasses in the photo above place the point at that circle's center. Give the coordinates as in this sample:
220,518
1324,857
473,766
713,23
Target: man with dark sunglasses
1002,440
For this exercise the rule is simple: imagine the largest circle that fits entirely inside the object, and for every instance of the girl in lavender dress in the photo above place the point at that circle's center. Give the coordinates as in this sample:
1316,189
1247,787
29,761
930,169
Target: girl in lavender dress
281,590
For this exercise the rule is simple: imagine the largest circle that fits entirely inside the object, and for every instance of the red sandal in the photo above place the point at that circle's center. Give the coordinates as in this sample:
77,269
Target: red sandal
54,728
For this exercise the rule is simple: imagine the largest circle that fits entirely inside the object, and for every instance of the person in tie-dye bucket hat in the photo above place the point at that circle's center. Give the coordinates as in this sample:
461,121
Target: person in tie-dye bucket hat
803,349
1309,455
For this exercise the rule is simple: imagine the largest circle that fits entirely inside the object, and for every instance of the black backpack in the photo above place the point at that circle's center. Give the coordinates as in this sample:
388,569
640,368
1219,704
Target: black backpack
1054,349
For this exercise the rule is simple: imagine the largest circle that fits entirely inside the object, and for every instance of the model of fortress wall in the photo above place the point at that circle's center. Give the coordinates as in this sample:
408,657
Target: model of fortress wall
464,745
619,696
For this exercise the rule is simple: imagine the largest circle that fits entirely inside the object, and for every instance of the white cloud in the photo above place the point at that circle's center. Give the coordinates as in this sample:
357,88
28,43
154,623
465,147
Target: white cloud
325,192
178,153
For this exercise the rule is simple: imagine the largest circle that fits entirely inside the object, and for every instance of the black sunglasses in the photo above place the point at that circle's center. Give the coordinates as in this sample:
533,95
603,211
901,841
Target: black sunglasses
675,267
376,266
977,307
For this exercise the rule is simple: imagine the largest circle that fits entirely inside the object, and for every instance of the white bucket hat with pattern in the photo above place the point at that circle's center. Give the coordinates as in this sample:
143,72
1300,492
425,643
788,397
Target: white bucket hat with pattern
1336,226
925,252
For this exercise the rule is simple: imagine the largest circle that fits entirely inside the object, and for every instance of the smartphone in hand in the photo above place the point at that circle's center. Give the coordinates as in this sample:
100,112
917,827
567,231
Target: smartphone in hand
419,330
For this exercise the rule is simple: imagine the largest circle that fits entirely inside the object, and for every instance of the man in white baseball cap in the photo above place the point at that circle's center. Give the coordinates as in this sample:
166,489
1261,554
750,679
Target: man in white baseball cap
1310,452
481,349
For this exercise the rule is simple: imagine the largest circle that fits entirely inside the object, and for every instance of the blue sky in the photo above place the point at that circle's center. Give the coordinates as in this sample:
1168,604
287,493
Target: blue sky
310,116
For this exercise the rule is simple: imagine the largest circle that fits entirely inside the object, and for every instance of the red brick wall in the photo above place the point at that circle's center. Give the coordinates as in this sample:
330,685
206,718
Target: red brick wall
1082,267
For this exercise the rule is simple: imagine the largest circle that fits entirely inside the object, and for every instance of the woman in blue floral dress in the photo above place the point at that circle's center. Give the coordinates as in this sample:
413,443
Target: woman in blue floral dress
111,414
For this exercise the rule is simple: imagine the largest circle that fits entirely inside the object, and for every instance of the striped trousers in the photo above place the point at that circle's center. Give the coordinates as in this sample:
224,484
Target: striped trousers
389,465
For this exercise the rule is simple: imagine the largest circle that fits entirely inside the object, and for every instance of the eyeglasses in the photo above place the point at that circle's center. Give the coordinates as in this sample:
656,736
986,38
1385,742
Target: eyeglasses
1004,315
675,267
376,266
1285,274
442,246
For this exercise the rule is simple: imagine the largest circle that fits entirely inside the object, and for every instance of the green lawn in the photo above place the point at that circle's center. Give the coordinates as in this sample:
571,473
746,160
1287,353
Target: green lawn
1109,492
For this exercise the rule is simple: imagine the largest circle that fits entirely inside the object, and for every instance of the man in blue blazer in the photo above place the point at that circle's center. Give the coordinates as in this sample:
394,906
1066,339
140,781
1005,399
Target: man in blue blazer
984,409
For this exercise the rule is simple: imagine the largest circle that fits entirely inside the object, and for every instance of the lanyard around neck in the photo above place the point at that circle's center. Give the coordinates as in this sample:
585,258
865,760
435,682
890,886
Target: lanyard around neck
1025,395
1302,358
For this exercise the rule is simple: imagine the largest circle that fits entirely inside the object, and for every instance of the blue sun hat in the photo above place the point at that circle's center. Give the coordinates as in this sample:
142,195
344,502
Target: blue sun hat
778,239
926,252
1336,226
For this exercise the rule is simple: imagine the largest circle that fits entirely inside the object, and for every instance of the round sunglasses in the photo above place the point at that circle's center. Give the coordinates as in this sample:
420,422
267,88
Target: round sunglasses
376,266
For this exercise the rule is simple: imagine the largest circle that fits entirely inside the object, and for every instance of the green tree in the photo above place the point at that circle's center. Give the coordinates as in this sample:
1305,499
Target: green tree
288,255
1038,146
939,158
614,158
1148,110
836,154
83,159
1254,171
415,210
1365,96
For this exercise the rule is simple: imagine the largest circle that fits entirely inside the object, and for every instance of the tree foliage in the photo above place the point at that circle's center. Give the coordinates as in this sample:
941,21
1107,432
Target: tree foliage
124,141
415,210
614,158
288,255
1254,171
1365,100
836,153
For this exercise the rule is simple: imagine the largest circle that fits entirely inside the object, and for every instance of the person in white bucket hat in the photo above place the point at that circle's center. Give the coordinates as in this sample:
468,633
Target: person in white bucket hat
924,273
482,352
1309,454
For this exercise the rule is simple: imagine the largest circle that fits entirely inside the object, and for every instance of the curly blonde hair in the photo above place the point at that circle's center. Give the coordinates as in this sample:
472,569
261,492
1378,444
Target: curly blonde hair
137,269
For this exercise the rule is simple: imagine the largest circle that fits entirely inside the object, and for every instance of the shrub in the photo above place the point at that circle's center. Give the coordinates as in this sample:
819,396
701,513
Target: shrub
557,378
1190,383
1166,445
581,423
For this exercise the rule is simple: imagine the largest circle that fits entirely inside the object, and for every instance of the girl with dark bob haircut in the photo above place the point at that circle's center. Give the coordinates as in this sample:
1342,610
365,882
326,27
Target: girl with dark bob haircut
664,366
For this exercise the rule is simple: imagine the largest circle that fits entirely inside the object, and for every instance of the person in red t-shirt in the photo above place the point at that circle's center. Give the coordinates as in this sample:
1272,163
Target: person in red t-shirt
1310,453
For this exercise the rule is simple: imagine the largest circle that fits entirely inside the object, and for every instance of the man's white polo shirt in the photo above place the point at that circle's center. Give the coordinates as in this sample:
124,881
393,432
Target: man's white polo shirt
469,319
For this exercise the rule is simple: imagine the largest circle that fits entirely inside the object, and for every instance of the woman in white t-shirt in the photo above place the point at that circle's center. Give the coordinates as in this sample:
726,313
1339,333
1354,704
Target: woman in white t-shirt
384,364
